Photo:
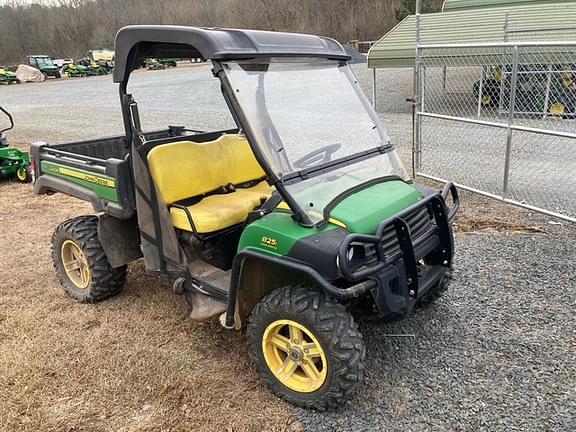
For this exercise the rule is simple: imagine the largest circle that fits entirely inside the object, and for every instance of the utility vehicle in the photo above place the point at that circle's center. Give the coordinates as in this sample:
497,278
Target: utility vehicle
13,162
44,64
297,222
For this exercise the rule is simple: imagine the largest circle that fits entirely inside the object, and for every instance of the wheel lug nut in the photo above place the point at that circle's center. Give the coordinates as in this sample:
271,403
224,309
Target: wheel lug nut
306,350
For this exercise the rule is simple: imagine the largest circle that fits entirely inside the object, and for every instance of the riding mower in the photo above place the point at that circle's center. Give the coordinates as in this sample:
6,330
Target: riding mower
491,87
93,68
73,70
170,62
295,223
13,162
532,86
8,77
154,64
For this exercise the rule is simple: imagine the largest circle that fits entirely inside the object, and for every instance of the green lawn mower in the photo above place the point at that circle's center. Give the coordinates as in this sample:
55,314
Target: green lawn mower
169,62
8,77
13,162
75,71
94,68
154,64
540,89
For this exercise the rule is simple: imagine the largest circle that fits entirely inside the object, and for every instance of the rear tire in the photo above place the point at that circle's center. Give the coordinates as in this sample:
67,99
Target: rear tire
307,347
81,263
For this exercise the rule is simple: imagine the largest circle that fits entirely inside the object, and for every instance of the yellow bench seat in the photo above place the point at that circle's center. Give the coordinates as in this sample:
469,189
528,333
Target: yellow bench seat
184,169
220,211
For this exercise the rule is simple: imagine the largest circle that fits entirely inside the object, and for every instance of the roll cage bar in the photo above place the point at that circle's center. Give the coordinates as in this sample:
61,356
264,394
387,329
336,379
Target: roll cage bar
136,43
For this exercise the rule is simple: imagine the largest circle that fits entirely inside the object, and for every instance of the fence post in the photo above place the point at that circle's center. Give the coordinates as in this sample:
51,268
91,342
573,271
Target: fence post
480,90
511,111
374,88
504,66
416,137
547,94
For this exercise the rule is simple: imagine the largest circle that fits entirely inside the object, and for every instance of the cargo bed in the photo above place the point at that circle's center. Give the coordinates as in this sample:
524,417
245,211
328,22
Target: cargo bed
97,171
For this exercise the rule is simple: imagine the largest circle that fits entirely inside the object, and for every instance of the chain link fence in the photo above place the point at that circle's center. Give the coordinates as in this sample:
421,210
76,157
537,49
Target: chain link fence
500,119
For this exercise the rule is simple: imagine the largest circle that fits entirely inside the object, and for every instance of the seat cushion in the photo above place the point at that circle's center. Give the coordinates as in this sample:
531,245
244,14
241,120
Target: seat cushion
185,169
218,212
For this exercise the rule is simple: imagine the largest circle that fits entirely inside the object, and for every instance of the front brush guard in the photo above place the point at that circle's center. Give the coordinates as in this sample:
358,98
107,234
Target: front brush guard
399,273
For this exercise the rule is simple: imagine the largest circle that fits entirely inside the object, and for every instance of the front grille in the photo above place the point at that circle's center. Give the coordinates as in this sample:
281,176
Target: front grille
419,222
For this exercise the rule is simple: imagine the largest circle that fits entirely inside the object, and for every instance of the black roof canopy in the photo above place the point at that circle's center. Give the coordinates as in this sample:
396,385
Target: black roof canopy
137,42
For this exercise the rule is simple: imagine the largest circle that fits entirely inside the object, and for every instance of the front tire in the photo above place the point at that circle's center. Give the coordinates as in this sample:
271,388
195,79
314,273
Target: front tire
81,263
307,347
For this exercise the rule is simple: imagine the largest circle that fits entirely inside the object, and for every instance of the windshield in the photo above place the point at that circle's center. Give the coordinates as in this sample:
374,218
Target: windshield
44,61
311,120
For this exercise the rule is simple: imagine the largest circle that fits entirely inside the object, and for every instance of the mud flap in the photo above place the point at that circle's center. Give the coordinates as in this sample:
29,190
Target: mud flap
120,239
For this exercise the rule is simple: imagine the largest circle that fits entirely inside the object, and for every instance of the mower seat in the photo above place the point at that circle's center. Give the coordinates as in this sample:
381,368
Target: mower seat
194,180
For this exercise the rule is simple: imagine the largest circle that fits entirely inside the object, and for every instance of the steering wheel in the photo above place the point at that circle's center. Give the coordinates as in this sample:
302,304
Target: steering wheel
320,155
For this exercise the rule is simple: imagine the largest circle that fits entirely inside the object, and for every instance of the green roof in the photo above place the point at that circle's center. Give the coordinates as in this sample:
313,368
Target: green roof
397,47
453,5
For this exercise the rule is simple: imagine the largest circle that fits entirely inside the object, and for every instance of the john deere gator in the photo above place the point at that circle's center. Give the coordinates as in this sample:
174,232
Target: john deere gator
295,224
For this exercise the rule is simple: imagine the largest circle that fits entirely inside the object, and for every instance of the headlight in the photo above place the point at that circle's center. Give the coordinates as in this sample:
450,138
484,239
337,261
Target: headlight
350,254
355,257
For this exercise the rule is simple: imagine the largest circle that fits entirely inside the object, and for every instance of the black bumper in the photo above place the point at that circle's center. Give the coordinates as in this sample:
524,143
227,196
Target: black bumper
411,252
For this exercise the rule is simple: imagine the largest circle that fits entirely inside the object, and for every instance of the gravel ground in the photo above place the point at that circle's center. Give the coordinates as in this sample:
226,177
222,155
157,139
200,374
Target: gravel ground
497,353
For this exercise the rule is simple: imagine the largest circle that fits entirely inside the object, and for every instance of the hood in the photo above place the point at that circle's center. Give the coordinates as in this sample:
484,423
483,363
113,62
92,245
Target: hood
363,211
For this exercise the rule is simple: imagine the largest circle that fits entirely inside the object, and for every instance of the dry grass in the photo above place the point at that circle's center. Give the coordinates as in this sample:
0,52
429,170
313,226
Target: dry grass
482,214
131,363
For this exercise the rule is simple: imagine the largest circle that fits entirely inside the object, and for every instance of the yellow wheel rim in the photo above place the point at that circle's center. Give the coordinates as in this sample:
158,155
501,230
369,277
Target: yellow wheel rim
498,74
294,356
21,174
557,108
486,100
75,264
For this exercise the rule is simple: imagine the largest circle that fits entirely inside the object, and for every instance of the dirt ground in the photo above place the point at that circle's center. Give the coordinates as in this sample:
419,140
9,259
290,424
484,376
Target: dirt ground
131,363
134,362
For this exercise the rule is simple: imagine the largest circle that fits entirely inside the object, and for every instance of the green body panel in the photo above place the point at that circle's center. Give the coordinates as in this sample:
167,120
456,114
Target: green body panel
12,159
275,234
104,186
363,211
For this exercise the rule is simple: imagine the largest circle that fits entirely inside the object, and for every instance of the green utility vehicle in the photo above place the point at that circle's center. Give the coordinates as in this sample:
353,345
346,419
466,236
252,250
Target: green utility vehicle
44,64
297,222
13,162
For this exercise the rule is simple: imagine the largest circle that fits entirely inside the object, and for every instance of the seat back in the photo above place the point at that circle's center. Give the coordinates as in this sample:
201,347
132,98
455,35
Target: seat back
185,169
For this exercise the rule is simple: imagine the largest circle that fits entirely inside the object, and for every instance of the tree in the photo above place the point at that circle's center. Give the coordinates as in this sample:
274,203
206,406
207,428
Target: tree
408,7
